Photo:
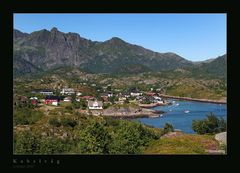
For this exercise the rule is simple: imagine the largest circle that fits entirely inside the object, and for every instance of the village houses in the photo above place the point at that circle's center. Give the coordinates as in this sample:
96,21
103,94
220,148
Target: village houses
67,91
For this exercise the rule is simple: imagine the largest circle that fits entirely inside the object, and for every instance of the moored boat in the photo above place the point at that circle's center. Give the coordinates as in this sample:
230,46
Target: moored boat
154,116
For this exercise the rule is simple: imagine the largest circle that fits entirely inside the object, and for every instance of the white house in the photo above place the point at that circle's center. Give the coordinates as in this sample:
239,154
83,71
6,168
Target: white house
110,94
43,92
46,92
158,99
55,103
78,93
95,105
135,94
67,91
122,98
126,95
33,98
67,99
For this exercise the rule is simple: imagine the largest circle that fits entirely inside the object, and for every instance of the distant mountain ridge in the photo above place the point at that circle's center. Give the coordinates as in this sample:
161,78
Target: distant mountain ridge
217,67
45,50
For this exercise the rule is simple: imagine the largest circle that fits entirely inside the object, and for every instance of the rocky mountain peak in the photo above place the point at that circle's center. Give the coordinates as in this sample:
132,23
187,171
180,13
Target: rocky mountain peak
49,49
54,30
115,40
18,34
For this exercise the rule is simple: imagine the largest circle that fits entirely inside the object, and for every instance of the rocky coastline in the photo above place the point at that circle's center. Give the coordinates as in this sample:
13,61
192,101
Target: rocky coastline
131,112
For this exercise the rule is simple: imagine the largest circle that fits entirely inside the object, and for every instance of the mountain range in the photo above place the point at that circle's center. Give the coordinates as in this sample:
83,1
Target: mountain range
46,50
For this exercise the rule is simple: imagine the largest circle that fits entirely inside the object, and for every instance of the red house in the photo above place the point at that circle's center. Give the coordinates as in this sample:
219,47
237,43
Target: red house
150,94
34,102
87,97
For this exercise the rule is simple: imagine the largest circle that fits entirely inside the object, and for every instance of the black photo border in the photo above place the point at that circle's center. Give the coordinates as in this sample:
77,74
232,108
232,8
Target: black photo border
120,162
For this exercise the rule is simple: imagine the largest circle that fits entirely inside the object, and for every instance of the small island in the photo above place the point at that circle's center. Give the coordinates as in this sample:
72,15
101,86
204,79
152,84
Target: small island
130,111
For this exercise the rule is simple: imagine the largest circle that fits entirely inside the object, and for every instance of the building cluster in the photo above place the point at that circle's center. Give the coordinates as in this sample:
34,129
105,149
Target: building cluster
106,97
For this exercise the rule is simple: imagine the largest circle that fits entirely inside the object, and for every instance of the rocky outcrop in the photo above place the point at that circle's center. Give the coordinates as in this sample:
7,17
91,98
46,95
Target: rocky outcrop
129,112
222,138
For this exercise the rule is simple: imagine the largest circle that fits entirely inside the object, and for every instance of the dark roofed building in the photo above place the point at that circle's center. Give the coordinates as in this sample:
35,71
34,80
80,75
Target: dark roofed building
43,91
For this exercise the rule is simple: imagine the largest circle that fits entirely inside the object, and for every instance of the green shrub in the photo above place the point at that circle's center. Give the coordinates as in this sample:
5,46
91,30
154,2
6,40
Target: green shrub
54,122
168,128
29,142
69,108
83,104
76,105
130,137
94,139
25,116
126,101
90,135
199,126
211,125
67,122
53,145
105,106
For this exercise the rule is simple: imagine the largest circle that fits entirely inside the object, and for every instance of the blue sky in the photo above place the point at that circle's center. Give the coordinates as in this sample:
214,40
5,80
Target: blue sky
193,36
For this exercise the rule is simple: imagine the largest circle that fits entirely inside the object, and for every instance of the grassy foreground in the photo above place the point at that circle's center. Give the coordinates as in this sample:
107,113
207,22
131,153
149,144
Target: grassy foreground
183,144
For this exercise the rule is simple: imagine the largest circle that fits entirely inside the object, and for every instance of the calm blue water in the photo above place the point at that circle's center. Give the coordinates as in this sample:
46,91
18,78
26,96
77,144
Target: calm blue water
179,119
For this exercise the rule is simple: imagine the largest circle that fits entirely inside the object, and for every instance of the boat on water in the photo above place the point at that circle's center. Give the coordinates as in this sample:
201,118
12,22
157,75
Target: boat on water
177,104
161,115
154,116
187,111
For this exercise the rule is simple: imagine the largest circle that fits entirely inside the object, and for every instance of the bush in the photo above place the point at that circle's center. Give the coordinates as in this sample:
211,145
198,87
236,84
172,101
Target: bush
211,125
54,122
199,126
76,105
110,121
83,104
91,136
105,106
94,139
130,137
126,101
29,142
69,108
67,122
25,116
168,128
53,145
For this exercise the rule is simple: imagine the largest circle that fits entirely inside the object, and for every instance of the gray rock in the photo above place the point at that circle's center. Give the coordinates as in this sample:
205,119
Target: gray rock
222,138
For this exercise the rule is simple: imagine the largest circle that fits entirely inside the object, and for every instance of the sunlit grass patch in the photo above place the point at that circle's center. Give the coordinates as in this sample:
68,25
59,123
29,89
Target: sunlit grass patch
184,144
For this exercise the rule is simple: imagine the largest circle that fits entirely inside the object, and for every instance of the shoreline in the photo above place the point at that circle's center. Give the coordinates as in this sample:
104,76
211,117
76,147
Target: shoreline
152,105
143,114
194,99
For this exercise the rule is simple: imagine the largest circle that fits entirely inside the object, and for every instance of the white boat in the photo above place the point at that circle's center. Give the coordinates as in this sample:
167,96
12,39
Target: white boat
161,115
154,116
177,104
187,111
